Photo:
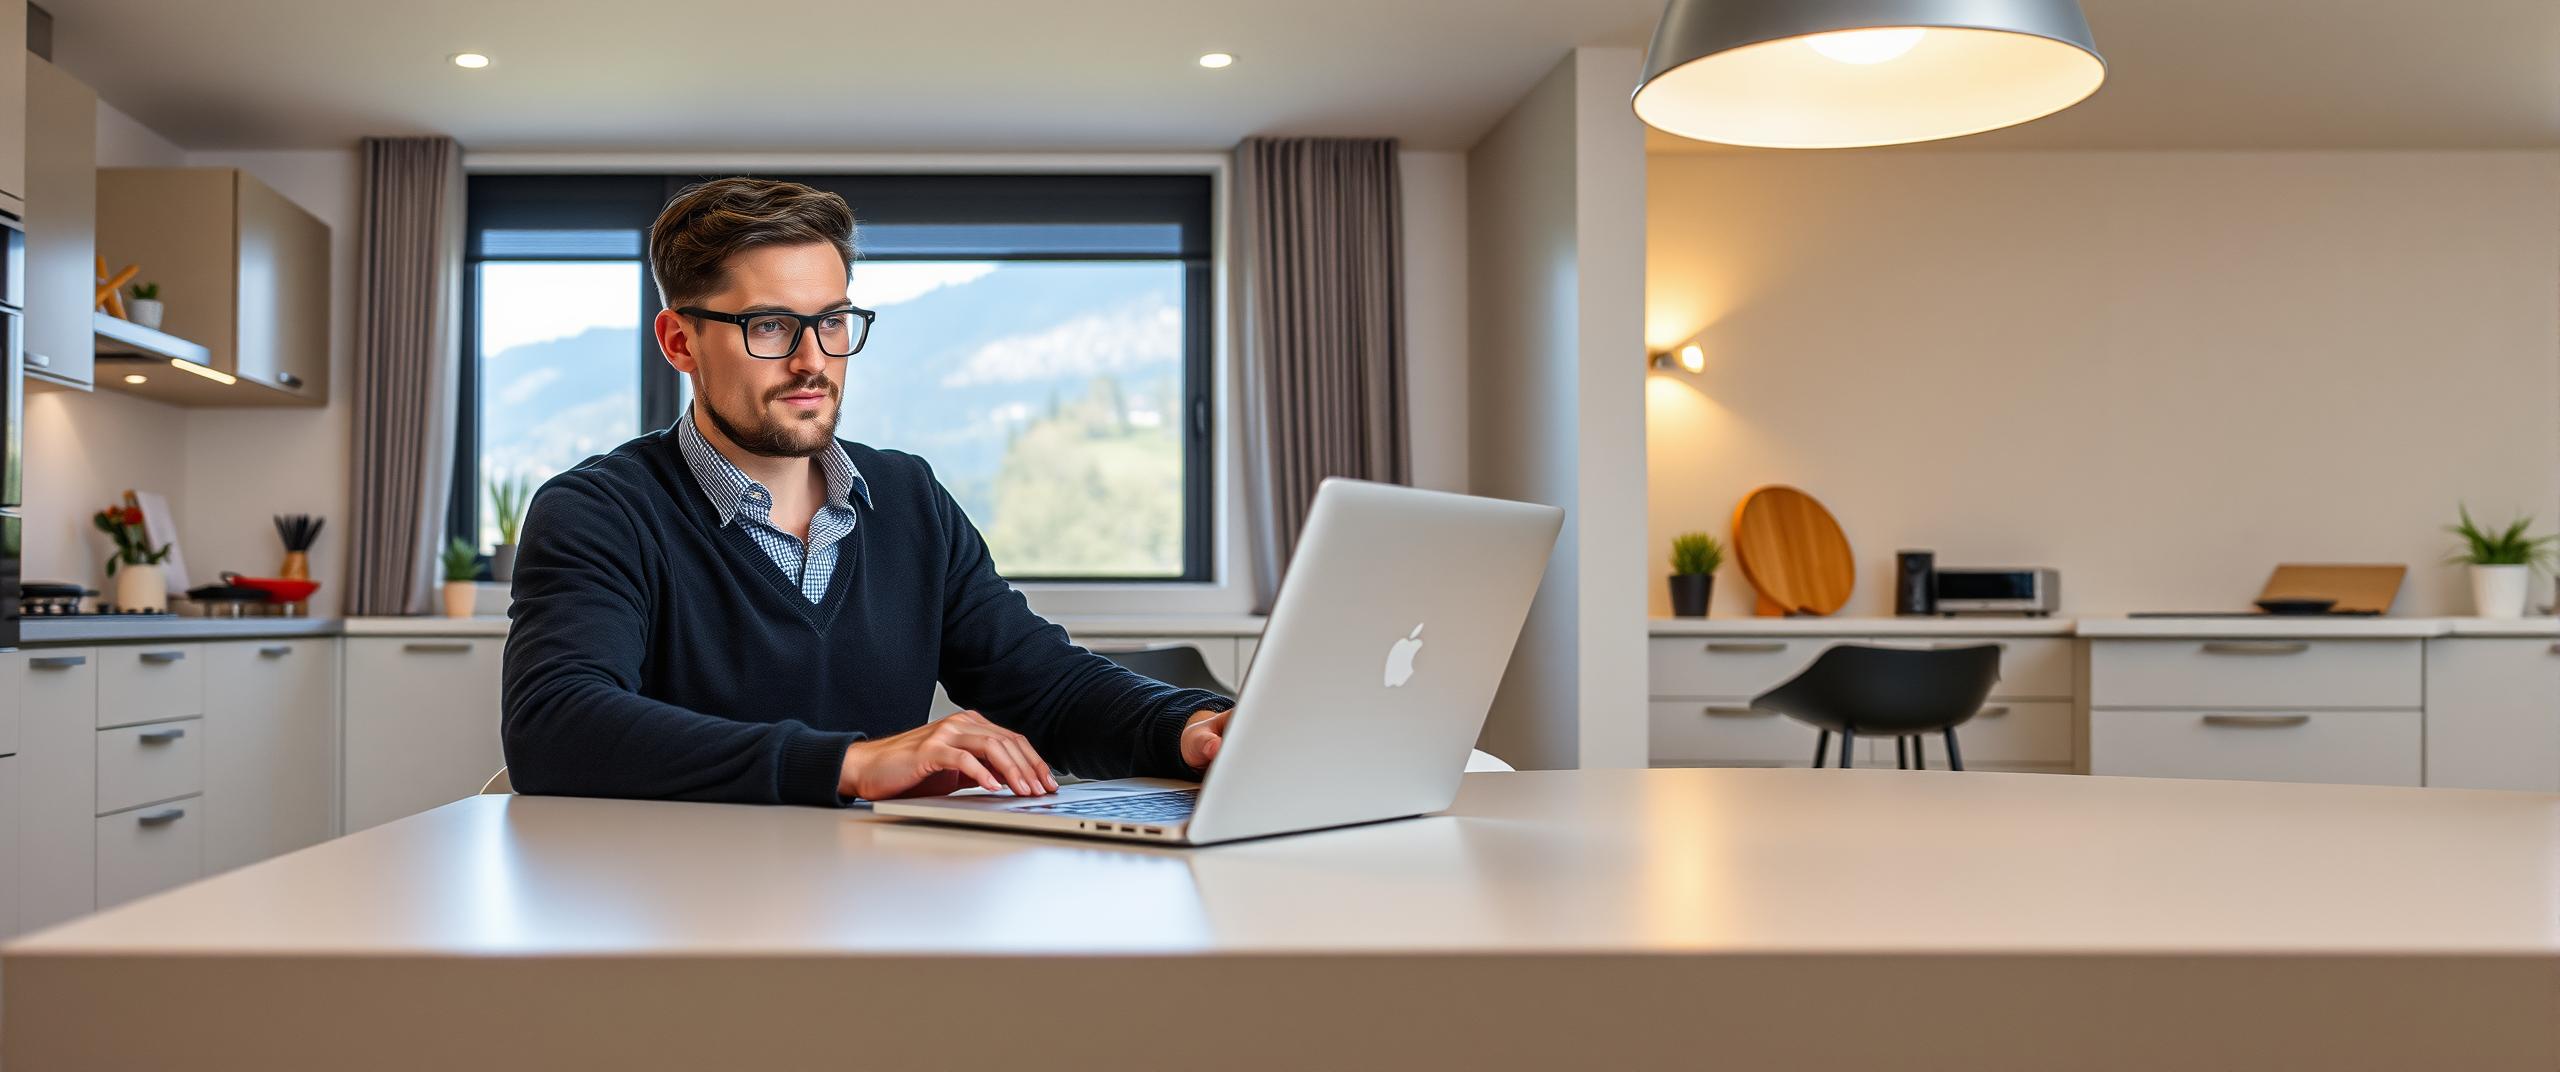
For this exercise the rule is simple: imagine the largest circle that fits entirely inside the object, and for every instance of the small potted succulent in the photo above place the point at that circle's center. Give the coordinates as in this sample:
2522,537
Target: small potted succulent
461,569
508,498
145,307
134,569
1694,559
2502,561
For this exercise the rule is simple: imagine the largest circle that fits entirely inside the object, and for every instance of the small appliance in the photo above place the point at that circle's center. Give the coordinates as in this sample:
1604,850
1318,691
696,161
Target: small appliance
2032,591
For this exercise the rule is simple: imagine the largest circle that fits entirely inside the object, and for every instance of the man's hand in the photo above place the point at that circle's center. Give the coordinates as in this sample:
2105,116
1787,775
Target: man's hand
1203,736
960,750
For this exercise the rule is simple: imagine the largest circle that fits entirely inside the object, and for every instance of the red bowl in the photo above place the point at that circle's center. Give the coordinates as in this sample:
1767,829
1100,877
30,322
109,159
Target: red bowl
279,589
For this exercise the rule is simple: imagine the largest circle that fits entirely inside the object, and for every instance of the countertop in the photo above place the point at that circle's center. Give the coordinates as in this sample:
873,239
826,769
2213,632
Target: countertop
1696,903
38,632
2113,627
102,630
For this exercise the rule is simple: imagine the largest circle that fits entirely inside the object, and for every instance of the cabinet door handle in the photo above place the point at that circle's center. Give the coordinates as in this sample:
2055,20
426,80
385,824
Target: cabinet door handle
288,379
57,662
437,647
2258,721
39,360
1728,711
160,736
276,650
1992,712
2256,647
163,817
163,657
1746,649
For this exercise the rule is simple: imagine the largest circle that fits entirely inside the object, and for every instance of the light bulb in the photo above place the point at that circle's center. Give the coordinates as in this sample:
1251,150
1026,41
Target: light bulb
1692,358
1865,47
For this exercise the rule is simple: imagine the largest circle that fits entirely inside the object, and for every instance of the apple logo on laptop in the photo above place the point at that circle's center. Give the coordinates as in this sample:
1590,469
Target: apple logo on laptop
1400,657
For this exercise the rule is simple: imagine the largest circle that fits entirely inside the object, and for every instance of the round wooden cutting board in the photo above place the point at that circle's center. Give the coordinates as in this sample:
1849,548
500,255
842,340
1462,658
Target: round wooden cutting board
1793,552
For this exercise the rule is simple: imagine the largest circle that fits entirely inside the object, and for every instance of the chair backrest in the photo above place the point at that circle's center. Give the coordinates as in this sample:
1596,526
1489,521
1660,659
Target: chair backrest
1178,665
1889,690
499,783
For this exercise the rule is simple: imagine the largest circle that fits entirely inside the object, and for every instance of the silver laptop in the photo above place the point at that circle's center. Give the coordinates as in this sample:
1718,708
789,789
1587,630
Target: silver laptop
1374,674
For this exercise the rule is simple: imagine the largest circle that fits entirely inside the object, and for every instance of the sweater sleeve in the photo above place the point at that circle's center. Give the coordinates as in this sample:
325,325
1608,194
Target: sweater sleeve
573,720
1086,714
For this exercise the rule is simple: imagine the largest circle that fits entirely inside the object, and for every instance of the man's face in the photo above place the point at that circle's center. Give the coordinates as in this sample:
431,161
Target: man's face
783,408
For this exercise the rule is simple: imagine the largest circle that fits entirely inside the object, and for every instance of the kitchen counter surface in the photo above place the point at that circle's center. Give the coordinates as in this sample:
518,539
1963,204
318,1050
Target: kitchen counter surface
484,625
2007,626
1588,917
2113,628
2303,626
40,632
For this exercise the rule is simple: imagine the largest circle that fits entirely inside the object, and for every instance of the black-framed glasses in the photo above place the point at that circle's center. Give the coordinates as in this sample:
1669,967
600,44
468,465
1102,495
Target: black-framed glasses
774,336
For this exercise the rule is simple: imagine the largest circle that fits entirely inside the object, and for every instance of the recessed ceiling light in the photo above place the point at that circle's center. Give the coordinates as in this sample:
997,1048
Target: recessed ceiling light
1215,60
470,60
136,378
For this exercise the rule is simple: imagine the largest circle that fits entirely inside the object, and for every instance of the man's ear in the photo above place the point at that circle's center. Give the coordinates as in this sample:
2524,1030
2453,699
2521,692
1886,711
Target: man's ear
674,341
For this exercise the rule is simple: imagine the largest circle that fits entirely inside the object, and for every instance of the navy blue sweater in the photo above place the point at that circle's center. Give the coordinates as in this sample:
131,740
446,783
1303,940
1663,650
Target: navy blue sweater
657,654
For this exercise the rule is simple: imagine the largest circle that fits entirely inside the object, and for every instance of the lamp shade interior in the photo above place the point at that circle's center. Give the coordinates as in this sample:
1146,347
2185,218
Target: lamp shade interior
1868,86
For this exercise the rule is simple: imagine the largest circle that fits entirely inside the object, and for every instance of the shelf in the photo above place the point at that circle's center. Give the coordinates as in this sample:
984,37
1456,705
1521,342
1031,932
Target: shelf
117,335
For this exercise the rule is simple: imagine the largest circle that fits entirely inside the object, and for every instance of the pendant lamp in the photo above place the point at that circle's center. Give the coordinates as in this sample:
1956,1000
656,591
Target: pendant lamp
1837,74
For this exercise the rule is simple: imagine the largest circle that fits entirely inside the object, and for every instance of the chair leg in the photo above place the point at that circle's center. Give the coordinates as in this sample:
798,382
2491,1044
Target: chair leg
1920,751
1820,745
1955,759
1848,741
1902,753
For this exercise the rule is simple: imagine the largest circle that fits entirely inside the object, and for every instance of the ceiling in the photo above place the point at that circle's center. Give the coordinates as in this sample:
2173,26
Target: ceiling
866,75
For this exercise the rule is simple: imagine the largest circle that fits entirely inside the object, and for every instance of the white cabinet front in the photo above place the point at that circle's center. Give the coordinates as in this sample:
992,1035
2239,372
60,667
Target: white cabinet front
2348,747
421,723
271,748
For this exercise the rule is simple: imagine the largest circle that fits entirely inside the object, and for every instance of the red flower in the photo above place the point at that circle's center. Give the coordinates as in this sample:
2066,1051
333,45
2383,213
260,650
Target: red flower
133,515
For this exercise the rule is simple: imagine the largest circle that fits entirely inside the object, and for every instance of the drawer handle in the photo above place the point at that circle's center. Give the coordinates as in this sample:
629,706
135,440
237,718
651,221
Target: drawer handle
2256,647
161,736
2258,721
1746,649
39,360
1992,712
1725,711
276,650
57,662
163,657
163,817
449,648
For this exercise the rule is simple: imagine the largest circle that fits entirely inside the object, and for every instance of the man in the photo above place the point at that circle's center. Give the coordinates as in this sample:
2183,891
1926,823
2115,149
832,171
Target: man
745,608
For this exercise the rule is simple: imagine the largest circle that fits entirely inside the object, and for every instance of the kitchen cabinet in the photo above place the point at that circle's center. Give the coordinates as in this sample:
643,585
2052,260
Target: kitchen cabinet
149,683
9,808
421,718
271,748
62,192
13,115
2309,708
149,849
2493,713
58,795
244,274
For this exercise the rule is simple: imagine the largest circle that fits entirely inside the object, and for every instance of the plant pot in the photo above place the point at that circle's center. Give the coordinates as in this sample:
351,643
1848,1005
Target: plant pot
144,311
458,598
1690,593
139,588
2499,591
502,563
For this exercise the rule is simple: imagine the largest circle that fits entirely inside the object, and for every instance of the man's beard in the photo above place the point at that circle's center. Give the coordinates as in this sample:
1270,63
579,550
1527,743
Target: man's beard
772,438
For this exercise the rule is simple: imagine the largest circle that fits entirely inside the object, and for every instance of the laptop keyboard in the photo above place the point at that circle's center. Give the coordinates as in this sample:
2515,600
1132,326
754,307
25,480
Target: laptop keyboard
1170,807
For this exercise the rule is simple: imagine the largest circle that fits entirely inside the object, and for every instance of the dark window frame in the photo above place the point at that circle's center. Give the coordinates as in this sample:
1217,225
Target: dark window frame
624,202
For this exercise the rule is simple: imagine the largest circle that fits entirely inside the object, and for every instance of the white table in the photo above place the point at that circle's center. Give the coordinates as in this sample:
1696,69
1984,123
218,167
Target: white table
1669,918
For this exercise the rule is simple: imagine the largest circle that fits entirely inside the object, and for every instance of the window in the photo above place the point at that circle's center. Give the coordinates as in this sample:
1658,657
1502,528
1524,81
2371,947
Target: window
1043,341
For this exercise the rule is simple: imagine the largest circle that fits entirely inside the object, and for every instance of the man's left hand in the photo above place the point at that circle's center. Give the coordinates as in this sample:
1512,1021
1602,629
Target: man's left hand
1203,736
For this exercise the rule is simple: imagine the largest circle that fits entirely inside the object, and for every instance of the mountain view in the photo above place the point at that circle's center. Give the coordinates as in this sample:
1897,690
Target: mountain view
1045,395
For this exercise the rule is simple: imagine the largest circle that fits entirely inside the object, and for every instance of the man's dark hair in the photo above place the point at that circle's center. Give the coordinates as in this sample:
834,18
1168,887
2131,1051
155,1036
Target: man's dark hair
690,245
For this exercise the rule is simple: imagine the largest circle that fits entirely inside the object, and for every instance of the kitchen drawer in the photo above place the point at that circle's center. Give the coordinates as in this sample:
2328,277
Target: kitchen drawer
2014,732
141,764
146,850
2256,673
1702,732
1733,667
2350,747
149,683
2031,668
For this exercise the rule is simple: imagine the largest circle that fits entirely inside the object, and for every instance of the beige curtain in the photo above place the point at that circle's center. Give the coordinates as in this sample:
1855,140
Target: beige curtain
1323,330
409,255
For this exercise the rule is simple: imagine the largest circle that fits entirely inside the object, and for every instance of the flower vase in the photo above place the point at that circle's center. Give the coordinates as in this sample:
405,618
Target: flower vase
141,588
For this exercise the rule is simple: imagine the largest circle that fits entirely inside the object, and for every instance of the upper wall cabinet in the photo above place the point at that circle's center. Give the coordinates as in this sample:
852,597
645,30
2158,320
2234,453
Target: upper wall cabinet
243,274
62,198
13,113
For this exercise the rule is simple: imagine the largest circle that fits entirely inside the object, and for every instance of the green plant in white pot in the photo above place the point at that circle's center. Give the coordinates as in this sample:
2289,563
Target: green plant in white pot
2502,562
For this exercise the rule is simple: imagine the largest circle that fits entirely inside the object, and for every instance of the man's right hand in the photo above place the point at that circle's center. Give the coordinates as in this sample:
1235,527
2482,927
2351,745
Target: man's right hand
958,751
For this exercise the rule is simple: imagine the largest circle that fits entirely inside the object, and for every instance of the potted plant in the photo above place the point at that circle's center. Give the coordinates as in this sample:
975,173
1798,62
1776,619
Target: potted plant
461,566
508,497
133,571
145,308
1694,558
2502,562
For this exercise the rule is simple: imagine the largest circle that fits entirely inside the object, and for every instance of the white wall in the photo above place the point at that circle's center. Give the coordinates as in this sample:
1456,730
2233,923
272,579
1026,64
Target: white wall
1555,247
1434,189
2162,373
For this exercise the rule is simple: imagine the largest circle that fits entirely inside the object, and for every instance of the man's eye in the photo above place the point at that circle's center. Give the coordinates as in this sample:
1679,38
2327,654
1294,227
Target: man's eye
770,326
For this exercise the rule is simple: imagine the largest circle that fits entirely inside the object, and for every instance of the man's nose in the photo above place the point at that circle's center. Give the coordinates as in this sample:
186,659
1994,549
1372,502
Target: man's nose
806,358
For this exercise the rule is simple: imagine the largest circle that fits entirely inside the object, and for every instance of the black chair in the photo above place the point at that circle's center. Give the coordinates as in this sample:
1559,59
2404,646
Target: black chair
1178,665
1898,692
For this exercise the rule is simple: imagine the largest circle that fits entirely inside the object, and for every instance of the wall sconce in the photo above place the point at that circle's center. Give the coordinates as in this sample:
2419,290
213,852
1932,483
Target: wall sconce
1689,358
